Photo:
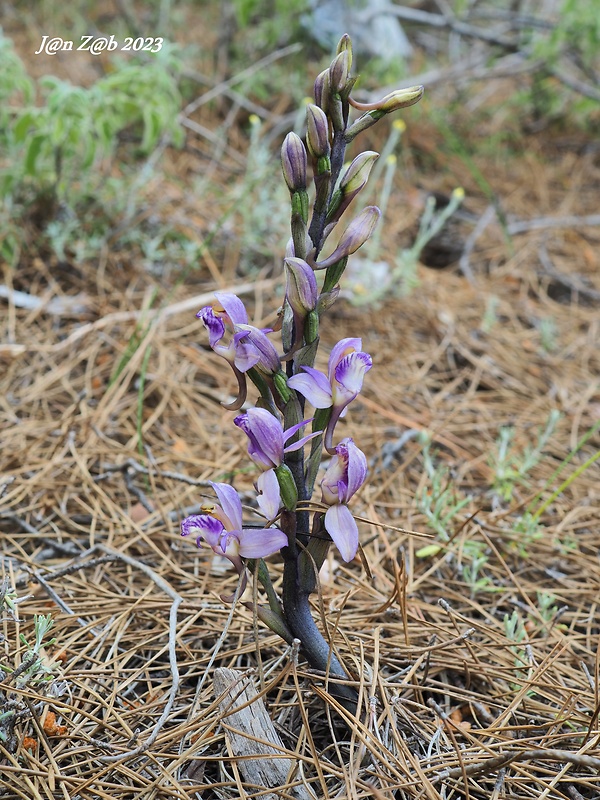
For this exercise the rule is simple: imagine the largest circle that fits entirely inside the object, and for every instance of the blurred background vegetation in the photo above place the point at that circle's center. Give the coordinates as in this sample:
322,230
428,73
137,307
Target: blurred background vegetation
158,155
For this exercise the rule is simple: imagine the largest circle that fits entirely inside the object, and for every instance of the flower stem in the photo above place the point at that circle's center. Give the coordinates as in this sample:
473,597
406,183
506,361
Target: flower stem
298,615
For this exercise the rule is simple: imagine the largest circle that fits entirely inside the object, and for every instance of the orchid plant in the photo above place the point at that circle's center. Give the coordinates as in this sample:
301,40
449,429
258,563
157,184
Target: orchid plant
296,523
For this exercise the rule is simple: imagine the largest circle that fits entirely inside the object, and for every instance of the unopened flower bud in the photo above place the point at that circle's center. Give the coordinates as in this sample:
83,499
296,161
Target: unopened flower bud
301,291
293,162
401,98
287,486
358,172
321,90
356,234
317,131
353,180
280,382
375,111
345,44
338,72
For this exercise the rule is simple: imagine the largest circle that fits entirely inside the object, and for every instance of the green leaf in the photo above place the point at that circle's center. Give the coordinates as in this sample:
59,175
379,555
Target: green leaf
22,126
33,151
428,550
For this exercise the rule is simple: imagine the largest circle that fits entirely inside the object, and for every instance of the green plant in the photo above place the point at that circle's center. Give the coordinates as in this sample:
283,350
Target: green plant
546,603
566,483
569,51
34,667
297,523
431,224
510,468
490,316
54,149
475,554
270,22
30,668
514,630
438,499
548,334
529,530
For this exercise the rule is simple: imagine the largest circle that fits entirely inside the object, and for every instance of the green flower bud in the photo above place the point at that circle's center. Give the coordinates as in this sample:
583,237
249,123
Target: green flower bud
345,45
358,172
280,381
401,98
287,486
311,326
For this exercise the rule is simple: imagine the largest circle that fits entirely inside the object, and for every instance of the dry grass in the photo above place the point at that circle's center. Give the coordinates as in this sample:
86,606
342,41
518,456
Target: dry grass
452,706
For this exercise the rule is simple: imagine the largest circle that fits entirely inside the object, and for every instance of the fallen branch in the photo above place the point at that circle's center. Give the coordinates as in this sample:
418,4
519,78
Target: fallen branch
510,756
540,223
253,741
569,281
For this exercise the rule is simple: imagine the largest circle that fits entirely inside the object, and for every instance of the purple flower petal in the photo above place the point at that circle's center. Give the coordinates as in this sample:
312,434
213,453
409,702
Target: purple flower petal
268,361
240,352
213,324
204,528
289,432
301,442
357,468
265,437
261,542
345,474
342,528
314,386
339,351
269,494
349,376
231,505
234,308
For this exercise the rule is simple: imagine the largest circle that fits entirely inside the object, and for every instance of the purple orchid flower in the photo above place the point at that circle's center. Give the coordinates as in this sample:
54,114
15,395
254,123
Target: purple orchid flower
240,354
248,347
345,475
269,494
221,527
267,448
344,379
268,360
